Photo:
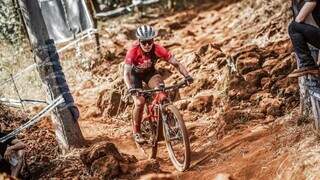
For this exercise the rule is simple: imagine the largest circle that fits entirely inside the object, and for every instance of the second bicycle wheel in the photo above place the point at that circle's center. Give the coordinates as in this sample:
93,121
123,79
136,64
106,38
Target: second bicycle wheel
176,137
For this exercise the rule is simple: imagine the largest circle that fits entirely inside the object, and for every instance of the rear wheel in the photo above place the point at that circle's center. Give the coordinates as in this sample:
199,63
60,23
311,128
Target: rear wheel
176,137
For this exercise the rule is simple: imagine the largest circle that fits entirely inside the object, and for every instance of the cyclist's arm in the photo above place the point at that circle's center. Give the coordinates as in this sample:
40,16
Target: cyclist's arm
306,10
128,75
178,66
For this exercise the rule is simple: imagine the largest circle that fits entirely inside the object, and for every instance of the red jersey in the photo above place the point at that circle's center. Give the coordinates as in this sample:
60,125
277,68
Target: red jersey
144,61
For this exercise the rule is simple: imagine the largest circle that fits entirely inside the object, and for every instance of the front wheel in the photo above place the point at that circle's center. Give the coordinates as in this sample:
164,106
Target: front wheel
176,137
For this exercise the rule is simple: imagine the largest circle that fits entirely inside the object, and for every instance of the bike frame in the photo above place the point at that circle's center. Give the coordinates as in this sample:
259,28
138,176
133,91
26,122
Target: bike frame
157,101
153,114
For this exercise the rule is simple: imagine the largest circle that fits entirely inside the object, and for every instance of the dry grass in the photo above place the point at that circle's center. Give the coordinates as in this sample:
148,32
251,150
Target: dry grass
303,160
13,60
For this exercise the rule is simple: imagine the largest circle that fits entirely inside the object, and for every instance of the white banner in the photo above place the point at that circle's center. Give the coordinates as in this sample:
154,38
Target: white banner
64,18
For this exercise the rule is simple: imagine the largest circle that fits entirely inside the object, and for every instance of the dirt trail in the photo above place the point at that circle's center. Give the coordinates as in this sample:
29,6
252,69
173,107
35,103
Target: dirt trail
235,131
95,132
240,112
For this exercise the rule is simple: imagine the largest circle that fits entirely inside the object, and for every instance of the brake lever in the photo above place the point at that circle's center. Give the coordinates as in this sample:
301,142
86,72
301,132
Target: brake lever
136,92
185,83
140,93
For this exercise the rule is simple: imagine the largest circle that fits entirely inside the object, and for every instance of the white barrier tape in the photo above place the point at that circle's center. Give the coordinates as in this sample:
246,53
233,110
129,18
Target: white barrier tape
128,8
314,94
149,2
17,103
18,74
87,33
34,120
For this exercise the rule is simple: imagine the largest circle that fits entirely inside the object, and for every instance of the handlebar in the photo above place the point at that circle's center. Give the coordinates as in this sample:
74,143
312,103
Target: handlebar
175,86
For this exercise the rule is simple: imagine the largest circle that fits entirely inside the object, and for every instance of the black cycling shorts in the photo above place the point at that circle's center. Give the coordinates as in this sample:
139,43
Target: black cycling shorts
138,78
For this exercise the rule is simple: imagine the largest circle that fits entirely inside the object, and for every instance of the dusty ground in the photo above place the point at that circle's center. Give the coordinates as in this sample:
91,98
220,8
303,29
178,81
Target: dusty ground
241,112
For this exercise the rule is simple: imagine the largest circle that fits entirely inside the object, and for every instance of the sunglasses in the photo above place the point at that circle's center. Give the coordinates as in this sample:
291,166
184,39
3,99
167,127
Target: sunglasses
149,42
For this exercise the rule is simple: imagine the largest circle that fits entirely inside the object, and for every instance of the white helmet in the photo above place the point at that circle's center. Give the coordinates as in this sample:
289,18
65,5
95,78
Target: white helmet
145,32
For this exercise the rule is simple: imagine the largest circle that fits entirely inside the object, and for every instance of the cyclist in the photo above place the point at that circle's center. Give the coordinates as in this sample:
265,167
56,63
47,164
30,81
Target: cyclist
304,30
139,67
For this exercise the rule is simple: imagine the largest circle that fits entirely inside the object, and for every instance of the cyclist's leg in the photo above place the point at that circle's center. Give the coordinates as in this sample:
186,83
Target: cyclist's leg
138,106
155,80
301,34
139,102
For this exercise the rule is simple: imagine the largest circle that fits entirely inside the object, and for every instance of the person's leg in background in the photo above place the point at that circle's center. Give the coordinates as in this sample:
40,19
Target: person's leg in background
302,34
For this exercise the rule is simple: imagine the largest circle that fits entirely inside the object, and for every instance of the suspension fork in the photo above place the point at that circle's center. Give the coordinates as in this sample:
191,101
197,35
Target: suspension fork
158,110
158,128
163,120
162,110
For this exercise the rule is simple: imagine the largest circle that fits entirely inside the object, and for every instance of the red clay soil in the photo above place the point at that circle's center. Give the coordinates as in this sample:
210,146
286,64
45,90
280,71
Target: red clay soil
240,112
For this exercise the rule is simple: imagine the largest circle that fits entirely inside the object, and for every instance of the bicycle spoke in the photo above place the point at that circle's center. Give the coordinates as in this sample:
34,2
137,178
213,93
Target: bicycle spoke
175,138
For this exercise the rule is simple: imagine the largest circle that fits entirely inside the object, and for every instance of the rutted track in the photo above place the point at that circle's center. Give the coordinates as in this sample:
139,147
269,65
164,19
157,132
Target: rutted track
240,107
240,112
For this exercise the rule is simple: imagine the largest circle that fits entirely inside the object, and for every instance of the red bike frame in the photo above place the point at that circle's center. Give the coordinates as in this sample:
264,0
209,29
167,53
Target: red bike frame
158,98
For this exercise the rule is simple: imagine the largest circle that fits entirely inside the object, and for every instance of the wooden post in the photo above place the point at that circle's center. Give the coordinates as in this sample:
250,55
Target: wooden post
310,102
305,100
93,12
67,130
315,104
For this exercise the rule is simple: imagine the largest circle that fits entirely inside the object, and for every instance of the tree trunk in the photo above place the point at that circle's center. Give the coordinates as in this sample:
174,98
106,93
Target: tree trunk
65,116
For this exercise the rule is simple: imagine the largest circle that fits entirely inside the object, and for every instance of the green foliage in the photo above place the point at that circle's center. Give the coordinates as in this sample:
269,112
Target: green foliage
10,23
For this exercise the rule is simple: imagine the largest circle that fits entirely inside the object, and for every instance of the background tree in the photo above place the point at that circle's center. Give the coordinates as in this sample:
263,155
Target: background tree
11,28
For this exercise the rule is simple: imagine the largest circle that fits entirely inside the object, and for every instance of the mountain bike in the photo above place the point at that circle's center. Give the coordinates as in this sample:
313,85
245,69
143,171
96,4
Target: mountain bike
163,120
